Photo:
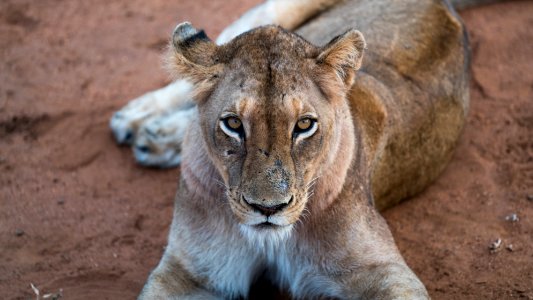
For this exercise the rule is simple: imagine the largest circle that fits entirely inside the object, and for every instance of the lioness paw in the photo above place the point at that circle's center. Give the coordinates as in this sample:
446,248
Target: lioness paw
159,139
126,122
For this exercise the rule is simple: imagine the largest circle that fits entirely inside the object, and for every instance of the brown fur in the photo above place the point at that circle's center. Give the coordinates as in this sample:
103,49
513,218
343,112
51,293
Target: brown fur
411,96
383,134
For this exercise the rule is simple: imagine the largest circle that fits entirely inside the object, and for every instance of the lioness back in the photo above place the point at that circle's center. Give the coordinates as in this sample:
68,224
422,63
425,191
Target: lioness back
411,94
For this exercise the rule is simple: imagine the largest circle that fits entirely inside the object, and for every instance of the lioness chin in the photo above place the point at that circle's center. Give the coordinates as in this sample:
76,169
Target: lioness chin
290,146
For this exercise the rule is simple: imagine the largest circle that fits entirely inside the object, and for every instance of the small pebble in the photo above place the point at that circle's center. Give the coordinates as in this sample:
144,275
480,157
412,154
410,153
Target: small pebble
530,197
61,201
512,217
19,232
510,247
495,246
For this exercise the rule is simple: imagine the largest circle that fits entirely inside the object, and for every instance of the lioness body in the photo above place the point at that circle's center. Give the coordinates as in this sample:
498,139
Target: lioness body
411,94
392,132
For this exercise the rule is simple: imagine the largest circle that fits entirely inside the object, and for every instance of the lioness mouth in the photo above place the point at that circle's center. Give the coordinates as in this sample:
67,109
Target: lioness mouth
267,225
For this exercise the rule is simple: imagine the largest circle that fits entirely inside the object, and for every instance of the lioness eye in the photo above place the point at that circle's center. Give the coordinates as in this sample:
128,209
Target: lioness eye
233,123
305,127
232,126
304,124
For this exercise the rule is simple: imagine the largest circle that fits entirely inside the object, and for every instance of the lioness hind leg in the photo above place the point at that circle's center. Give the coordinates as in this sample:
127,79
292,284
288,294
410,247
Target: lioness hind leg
287,14
126,122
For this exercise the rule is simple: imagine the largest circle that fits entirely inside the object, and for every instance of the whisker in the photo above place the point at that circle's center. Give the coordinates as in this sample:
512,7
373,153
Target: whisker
220,183
313,181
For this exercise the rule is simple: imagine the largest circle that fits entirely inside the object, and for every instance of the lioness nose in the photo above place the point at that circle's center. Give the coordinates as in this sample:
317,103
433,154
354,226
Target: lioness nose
268,210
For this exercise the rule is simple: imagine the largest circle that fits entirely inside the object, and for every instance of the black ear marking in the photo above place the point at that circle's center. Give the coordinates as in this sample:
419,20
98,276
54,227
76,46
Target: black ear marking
198,37
185,35
191,56
192,51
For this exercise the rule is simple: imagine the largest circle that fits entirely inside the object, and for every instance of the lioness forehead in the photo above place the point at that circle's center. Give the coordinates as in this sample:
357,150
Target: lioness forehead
268,68
290,106
268,57
266,43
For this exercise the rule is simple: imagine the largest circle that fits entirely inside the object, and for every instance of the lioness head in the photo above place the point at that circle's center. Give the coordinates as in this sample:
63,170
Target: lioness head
273,115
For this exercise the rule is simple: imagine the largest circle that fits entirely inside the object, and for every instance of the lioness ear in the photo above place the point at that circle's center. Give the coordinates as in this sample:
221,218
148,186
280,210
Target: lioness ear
344,55
192,56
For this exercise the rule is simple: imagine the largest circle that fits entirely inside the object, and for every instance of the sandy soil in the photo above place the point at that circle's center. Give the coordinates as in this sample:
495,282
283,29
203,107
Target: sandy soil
77,214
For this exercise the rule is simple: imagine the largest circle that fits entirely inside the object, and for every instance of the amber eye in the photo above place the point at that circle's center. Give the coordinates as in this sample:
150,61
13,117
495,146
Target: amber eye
305,127
232,126
304,124
233,123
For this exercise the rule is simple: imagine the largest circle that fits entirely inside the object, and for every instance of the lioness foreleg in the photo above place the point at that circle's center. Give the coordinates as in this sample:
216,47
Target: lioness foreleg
386,281
171,281
380,271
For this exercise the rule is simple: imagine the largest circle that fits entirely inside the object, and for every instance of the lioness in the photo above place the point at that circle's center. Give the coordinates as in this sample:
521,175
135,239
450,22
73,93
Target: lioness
290,147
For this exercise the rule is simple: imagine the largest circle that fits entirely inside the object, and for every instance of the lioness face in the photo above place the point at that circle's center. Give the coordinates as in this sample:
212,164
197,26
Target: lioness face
269,111
267,138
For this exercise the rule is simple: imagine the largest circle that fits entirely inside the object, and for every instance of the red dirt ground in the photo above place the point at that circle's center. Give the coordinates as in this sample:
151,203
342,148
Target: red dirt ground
77,214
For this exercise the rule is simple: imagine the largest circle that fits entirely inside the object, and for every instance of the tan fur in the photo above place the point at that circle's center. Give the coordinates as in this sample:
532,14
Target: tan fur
384,133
